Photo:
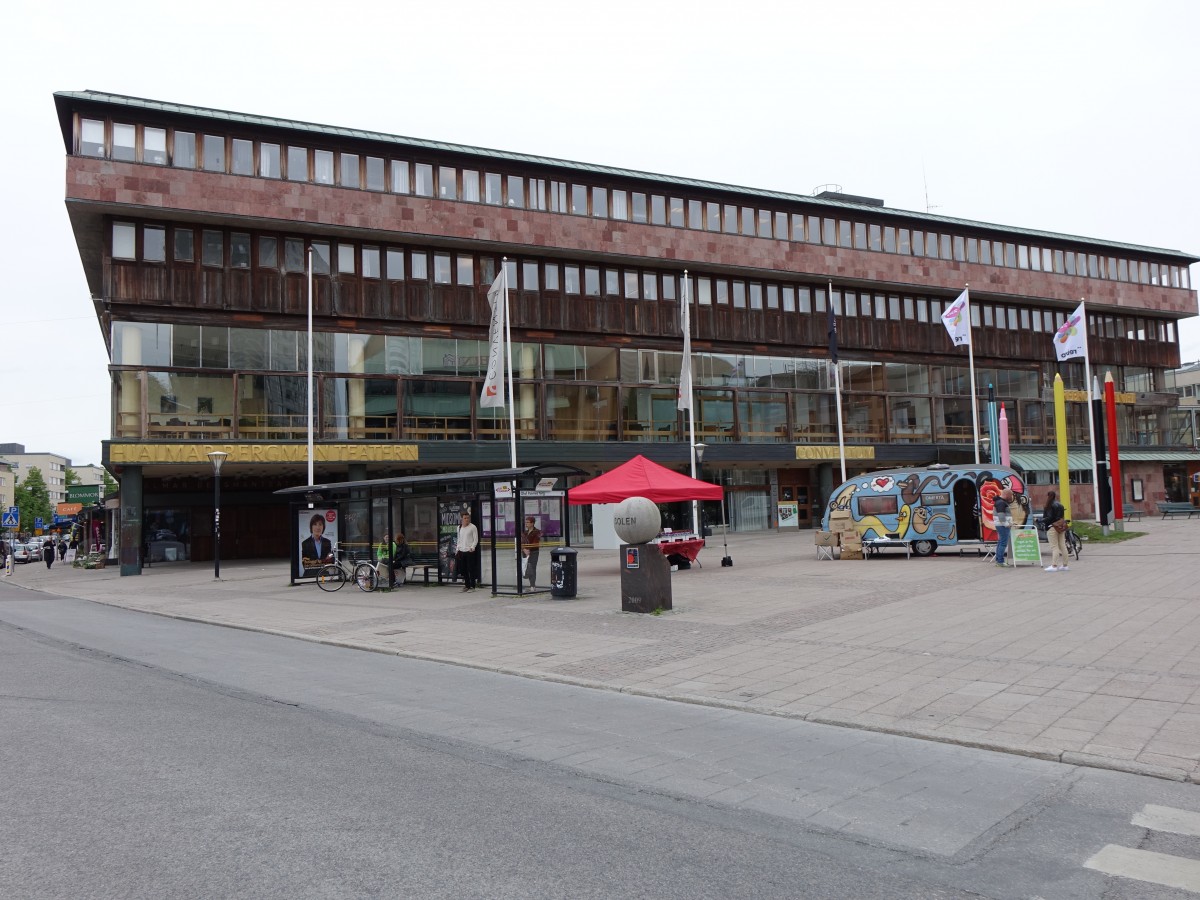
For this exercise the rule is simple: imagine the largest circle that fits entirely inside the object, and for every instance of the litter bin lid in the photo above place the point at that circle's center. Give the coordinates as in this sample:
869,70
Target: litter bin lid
563,551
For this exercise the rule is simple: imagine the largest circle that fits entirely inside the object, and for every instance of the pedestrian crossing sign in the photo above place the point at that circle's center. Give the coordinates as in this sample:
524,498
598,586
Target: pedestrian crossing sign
11,518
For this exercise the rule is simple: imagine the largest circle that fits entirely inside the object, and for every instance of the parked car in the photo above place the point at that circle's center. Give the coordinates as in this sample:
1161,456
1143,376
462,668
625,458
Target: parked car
24,553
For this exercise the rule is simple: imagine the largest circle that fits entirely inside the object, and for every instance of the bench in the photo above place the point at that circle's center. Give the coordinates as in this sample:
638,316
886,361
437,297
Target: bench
1131,514
1178,509
423,563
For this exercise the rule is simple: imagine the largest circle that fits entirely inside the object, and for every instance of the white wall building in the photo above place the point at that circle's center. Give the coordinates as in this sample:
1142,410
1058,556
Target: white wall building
52,466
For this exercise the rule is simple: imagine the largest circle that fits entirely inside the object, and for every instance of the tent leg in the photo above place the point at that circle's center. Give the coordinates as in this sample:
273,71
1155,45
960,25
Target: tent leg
726,560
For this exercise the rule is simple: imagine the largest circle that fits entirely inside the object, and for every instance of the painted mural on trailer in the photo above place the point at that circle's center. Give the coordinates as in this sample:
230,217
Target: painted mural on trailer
931,506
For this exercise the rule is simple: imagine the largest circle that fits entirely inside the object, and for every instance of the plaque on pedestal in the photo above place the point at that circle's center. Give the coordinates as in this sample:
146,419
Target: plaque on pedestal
645,579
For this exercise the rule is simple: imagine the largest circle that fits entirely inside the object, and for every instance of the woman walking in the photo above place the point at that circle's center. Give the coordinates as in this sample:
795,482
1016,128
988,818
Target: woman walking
1054,517
48,553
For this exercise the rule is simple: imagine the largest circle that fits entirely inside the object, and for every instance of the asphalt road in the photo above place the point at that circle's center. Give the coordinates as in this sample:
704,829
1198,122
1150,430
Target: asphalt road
149,757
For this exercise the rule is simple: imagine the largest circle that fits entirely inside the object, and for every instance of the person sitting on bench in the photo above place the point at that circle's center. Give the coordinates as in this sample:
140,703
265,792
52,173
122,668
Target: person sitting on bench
401,559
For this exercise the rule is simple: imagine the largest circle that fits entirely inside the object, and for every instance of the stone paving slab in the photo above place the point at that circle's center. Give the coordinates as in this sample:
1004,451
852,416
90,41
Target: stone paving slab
1096,666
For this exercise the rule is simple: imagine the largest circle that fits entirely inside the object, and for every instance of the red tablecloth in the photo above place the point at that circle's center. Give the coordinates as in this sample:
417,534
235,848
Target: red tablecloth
689,549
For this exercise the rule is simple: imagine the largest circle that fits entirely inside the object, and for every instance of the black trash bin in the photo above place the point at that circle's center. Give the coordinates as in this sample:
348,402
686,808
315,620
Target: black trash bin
564,569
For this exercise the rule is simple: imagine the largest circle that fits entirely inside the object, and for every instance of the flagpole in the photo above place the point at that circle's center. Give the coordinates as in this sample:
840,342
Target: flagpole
512,411
837,389
971,364
691,405
1087,377
310,365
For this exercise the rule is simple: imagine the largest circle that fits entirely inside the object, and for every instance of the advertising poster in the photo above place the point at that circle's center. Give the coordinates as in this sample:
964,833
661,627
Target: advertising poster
448,522
546,508
789,515
318,529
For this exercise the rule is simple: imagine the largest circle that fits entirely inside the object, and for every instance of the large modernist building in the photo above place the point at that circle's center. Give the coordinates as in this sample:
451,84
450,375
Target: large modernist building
194,226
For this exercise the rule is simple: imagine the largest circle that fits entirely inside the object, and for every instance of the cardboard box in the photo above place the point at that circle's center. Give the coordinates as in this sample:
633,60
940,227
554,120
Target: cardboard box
839,520
825,539
851,543
852,554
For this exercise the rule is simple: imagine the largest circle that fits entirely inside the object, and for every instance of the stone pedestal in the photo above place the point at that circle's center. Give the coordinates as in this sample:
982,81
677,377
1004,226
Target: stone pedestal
645,579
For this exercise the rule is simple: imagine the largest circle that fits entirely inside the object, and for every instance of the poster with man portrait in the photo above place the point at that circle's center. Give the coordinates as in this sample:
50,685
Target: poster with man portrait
318,529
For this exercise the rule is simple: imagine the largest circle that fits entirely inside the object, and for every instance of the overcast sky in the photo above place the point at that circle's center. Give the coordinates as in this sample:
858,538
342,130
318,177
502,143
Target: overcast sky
1073,117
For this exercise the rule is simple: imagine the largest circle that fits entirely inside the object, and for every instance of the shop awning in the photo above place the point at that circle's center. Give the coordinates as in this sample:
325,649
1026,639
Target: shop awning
1164,456
1047,460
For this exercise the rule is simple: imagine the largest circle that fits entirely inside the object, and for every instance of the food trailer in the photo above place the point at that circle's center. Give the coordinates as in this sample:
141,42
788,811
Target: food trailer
928,507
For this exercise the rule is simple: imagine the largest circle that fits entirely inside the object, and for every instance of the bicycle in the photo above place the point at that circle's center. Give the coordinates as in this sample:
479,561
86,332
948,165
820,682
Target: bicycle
1074,542
333,575
368,575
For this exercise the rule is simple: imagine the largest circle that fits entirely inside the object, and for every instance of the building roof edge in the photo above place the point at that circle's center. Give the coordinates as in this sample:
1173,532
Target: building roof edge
103,98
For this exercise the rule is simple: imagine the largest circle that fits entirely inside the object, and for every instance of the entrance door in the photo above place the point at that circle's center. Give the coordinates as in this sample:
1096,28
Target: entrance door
966,510
247,532
794,486
1175,484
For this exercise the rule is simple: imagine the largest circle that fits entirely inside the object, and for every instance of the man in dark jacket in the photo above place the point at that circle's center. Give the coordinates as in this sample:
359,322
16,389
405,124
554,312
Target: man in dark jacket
1002,512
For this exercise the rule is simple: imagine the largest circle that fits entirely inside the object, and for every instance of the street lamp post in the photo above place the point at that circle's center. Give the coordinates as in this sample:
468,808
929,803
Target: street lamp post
217,458
698,449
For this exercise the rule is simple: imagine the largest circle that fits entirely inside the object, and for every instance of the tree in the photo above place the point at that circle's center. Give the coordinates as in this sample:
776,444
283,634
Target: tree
72,477
110,486
33,499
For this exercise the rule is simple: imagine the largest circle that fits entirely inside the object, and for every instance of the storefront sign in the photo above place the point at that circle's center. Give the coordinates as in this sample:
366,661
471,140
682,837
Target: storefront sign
83,493
68,509
1082,397
175,453
821,451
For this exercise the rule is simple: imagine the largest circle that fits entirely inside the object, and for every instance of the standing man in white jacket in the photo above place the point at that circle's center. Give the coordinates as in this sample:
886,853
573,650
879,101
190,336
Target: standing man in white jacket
464,557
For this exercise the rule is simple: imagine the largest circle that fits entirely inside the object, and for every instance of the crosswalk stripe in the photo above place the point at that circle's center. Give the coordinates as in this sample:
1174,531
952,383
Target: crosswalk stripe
1145,865
1166,818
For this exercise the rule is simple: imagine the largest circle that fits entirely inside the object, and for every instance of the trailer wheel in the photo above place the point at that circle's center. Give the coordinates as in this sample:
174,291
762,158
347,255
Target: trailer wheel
924,548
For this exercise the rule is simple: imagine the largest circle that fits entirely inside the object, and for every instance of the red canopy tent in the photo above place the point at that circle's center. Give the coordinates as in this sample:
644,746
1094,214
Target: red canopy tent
642,478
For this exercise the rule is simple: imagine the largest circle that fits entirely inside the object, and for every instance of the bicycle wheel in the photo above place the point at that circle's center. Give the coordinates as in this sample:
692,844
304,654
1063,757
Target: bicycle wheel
331,578
366,577
1074,544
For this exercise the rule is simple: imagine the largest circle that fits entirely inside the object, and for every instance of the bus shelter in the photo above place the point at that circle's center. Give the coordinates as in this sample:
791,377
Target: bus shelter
353,517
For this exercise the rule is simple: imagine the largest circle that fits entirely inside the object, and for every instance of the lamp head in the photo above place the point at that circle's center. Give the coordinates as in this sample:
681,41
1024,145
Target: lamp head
700,448
217,458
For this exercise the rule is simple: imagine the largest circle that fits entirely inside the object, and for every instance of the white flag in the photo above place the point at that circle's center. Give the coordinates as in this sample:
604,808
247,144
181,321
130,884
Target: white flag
1070,341
685,365
493,393
957,319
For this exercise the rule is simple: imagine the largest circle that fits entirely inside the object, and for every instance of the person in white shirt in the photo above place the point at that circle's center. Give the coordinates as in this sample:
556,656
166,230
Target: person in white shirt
464,557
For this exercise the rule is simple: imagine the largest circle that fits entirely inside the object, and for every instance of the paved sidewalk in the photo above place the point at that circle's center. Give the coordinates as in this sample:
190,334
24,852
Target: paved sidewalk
1097,666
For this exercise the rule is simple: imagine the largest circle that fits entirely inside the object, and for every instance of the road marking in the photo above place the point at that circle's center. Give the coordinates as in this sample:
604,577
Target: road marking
1165,818
1144,865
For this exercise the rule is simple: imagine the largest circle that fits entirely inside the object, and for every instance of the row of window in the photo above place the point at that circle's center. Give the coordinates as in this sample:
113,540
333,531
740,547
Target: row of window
347,259
242,156
187,406
143,344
